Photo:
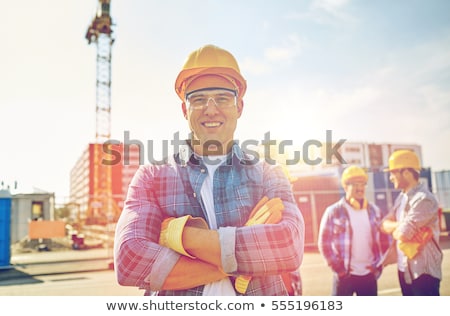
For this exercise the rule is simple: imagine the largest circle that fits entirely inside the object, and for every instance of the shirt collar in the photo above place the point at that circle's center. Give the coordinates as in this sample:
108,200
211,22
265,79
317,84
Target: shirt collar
414,190
236,156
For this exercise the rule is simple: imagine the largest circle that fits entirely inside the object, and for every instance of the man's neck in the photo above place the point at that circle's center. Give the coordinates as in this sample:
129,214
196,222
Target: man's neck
211,150
410,186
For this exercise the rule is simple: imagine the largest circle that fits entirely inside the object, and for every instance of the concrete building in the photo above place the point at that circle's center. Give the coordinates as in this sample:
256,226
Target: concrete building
85,187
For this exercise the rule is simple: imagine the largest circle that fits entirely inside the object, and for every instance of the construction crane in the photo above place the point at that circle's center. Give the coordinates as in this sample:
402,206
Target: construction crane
100,32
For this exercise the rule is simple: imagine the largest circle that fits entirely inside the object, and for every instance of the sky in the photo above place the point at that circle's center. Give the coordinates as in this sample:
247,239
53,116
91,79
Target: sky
369,71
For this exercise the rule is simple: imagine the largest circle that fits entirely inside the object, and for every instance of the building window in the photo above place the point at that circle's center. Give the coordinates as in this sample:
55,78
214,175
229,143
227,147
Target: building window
352,149
37,210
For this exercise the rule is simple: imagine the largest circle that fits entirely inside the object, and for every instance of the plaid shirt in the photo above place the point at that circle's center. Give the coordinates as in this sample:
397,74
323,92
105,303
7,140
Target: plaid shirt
335,235
158,191
422,210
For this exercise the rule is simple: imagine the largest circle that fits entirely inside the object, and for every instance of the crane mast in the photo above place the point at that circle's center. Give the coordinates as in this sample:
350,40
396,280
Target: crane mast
99,32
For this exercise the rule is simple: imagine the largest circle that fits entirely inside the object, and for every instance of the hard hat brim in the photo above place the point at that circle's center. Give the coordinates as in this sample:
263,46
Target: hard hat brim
191,74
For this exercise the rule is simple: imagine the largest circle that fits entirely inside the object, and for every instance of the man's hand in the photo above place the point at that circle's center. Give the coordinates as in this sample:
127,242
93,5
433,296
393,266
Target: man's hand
413,246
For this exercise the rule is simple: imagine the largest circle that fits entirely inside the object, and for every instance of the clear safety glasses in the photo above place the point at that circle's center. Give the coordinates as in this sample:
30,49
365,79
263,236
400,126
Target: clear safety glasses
222,98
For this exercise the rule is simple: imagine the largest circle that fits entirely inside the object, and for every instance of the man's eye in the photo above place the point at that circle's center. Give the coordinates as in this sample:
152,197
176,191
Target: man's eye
222,99
198,100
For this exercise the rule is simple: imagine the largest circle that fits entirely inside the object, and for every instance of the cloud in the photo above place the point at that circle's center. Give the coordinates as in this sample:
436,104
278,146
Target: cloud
284,53
405,100
329,11
254,66
330,6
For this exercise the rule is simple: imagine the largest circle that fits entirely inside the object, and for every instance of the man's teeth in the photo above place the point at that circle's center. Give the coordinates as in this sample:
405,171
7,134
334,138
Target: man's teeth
212,124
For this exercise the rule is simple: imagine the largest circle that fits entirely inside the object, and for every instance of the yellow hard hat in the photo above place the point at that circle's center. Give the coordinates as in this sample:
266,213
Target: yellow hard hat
403,159
353,174
210,60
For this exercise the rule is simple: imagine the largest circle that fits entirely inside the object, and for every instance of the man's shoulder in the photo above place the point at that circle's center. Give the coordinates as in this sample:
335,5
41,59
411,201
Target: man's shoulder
336,207
422,195
373,206
157,167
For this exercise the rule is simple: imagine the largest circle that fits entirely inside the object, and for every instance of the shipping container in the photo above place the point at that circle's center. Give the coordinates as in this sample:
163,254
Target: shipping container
313,195
442,190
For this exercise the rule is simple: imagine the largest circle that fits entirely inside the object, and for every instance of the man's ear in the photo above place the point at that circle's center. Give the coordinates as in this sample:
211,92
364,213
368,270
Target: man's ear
240,107
183,107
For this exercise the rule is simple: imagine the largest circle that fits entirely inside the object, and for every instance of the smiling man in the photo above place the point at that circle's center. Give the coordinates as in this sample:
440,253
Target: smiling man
414,224
350,239
212,220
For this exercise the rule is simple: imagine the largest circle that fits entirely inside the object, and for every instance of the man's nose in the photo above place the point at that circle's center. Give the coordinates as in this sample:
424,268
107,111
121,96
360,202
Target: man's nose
211,107
391,177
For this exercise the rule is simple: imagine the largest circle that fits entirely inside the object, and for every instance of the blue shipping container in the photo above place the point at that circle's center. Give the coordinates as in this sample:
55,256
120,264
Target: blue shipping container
5,228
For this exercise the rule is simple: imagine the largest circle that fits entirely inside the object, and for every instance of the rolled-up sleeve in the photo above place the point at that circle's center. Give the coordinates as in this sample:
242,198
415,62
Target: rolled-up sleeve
136,249
423,211
227,238
273,248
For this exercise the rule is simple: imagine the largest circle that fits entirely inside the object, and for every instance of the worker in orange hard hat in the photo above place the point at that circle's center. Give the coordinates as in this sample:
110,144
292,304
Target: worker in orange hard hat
350,239
414,224
211,75
198,224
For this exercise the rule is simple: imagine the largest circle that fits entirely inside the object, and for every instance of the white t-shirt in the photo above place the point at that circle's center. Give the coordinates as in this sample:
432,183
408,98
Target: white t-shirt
362,241
224,286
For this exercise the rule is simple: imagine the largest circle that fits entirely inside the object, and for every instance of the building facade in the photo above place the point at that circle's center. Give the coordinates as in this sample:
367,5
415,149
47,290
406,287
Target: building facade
90,199
26,207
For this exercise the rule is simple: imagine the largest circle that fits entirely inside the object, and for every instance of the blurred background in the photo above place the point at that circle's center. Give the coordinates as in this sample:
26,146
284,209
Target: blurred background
359,78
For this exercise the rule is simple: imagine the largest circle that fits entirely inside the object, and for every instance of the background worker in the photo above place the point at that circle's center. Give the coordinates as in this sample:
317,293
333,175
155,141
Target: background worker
350,239
212,214
414,224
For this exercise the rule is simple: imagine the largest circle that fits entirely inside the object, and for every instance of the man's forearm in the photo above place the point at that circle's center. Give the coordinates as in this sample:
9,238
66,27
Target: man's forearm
389,226
203,244
188,273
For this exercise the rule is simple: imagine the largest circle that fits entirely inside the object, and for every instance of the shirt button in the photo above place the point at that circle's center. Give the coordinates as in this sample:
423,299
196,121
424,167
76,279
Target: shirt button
202,170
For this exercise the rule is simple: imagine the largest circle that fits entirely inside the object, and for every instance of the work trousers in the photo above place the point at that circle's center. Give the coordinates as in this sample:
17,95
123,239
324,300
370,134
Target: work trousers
424,285
361,285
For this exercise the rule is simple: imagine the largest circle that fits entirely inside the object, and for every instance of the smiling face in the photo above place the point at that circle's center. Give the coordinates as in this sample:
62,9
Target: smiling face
355,190
212,125
212,107
402,179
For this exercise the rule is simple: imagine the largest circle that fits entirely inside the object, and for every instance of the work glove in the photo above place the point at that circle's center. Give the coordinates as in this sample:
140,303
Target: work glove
265,212
171,235
412,248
